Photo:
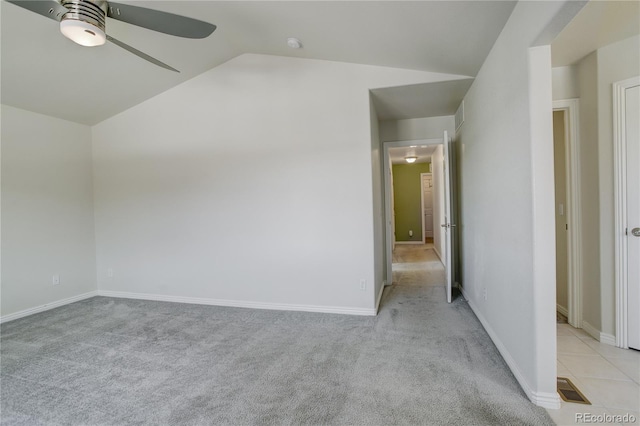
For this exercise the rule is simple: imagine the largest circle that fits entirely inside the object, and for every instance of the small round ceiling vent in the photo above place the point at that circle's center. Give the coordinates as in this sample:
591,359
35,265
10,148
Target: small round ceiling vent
294,43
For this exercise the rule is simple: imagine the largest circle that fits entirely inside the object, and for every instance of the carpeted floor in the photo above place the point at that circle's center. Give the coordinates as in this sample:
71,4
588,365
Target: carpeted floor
120,361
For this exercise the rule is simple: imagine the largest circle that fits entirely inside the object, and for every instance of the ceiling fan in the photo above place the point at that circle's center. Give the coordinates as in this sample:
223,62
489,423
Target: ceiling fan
84,22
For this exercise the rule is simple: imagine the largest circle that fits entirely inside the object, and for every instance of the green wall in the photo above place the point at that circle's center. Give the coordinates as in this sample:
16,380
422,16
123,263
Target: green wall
406,193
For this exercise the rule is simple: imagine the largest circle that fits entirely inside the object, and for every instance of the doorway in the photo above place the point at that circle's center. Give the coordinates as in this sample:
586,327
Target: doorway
426,179
398,151
562,225
567,212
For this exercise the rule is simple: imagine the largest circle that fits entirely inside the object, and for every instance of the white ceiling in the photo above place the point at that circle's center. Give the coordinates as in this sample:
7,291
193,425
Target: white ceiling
598,24
420,100
44,72
423,152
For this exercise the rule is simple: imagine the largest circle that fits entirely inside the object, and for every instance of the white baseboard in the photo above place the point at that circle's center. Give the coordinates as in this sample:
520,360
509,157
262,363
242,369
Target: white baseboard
241,303
564,311
607,339
47,306
591,330
438,254
410,242
542,399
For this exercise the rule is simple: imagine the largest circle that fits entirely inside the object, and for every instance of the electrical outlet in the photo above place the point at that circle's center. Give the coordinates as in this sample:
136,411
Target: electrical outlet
363,284
410,232
484,294
56,279
110,272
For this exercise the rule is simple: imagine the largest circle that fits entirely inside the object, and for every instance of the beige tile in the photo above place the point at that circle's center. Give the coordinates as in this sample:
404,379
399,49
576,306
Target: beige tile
568,413
572,344
591,366
630,367
611,393
564,330
609,351
583,335
562,370
582,388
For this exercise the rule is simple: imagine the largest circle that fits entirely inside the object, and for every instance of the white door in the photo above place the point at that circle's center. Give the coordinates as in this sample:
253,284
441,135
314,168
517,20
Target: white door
632,132
448,211
427,204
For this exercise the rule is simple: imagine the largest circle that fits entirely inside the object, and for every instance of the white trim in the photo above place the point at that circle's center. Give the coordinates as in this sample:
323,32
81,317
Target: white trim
388,214
541,399
620,207
424,232
424,236
47,306
607,339
379,298
591,330
437,253
240,303
571,108
562,310
410,242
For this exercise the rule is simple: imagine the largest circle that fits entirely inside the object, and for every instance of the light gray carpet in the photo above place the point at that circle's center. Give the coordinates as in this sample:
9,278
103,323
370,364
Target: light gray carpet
121,361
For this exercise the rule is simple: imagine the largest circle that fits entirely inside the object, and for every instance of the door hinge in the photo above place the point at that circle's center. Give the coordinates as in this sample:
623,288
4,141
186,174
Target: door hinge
566,226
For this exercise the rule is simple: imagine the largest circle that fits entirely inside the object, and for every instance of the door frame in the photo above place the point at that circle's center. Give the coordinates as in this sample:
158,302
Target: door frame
388,214
424,236
571,108
620,206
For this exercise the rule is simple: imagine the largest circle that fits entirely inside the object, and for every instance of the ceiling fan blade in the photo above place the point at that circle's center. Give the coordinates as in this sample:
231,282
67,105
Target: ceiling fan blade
140,54
48,8
163,22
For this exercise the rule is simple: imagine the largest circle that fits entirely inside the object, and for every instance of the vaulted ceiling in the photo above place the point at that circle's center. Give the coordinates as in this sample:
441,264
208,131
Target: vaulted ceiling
44,72
598,24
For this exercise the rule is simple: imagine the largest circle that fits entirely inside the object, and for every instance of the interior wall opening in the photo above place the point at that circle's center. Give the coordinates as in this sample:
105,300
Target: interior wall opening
414,183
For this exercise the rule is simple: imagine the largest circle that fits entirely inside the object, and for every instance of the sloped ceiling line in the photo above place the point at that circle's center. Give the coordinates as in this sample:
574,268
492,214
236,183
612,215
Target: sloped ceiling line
449,37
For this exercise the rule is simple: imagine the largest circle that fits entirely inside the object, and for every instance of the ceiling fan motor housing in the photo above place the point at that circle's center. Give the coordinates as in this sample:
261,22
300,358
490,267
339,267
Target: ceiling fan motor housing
84,23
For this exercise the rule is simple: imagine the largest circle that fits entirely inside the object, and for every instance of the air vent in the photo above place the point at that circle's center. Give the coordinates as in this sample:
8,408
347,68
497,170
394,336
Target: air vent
460,116
570,393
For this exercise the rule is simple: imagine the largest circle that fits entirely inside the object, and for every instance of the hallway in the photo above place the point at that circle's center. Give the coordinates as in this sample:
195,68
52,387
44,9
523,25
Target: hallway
417,265
457,357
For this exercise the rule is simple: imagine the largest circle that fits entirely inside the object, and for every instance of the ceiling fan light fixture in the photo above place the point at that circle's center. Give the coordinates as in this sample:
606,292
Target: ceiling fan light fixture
82,33
410,159
84,23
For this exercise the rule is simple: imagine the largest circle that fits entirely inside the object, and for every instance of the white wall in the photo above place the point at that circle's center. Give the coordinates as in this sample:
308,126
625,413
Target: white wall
565,83
47,210
416,128
506,151
437,169
616,62
377,158
587,82
250,183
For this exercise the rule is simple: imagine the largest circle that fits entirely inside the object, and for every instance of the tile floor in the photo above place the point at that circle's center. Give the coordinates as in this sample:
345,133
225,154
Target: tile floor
608,376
